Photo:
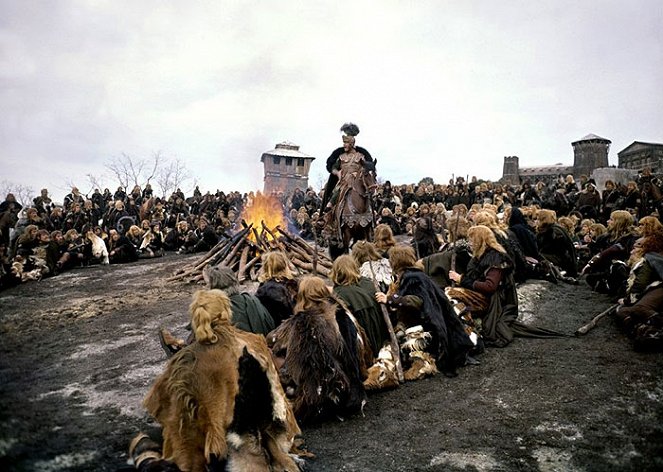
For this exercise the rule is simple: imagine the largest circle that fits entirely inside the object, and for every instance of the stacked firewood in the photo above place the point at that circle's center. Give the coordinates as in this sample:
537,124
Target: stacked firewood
243,251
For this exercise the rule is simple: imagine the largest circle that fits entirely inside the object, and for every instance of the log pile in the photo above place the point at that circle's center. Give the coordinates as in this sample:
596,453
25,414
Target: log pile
243,251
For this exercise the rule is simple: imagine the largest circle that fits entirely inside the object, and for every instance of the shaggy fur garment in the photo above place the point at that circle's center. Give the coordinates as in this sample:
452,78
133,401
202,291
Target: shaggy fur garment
319,350
223,403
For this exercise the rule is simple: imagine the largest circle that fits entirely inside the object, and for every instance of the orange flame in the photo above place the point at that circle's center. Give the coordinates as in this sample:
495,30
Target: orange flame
265,208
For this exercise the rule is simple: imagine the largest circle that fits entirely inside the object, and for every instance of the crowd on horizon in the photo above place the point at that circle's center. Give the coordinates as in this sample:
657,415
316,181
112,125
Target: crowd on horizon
45,238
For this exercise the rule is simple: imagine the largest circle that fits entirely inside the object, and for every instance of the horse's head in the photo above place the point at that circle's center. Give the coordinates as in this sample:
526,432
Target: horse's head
369,176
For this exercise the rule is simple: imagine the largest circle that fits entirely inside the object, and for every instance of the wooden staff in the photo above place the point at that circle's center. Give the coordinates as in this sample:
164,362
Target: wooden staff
395,351
592,324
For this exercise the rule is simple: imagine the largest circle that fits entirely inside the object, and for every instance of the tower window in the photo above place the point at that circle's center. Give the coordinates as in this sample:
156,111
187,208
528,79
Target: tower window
300,162
277,160
288,161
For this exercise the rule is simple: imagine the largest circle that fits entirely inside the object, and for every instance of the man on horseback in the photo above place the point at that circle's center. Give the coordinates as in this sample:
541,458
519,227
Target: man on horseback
335,165
346,200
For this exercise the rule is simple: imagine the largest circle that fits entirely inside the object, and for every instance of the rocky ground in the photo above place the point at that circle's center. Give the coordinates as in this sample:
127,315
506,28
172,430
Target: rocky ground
79,351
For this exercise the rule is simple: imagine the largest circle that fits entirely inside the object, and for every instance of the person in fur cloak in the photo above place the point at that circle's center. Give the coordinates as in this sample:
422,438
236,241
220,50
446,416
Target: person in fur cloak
278,286
219,401
489,290
417,300
321,355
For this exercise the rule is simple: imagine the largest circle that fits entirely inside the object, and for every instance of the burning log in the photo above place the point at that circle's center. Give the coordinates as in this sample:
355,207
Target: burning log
241,273
297,242
243,251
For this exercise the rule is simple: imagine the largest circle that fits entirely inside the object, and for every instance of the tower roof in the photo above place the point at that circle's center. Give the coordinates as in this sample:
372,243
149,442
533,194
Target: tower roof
591,137
286,149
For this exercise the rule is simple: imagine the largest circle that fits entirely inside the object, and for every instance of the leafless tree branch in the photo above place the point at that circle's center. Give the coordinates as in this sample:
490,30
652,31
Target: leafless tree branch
23,193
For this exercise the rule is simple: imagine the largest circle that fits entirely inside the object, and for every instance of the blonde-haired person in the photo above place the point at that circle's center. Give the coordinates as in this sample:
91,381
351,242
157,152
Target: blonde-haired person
587,246
569,225
153,241
223,374
135,235
278,286
320,355
614,245
372,265
640,311
383,238
247,313
650,226
555,244
489,290
419,301
358,293
509,240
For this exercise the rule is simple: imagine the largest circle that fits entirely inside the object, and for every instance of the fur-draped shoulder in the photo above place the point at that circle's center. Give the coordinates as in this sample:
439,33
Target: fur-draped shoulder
320,351
450,342
196,401
278,297
493,259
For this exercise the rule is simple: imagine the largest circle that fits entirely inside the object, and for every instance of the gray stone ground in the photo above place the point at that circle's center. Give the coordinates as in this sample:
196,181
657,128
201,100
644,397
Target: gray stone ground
79,351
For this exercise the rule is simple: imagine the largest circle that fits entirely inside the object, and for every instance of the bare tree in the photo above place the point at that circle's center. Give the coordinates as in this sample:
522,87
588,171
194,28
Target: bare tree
132,171
23,193
171,176
95,181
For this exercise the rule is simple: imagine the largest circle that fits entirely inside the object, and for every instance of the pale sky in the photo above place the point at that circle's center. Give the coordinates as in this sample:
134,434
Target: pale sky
436,87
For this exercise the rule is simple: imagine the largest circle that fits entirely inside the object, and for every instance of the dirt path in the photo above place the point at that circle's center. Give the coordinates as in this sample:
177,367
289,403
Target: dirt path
79,351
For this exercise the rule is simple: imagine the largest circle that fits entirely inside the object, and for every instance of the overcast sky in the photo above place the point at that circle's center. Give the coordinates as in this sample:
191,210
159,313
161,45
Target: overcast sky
436,87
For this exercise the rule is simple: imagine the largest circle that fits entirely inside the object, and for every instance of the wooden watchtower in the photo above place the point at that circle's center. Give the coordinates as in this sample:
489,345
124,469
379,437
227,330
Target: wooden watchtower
286,168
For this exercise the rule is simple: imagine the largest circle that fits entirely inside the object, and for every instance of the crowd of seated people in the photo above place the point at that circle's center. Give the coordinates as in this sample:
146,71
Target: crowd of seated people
330,340
148,226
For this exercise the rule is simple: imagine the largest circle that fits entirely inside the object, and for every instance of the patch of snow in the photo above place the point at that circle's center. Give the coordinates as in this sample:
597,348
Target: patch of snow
65,462
6,445
501,403
86,350
554,460
568,431
481,461
128,401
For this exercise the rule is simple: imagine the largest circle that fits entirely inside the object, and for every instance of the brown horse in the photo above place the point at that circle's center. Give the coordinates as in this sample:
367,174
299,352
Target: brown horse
353,216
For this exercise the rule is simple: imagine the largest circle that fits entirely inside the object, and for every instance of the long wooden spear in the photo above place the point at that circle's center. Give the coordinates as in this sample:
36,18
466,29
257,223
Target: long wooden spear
395,351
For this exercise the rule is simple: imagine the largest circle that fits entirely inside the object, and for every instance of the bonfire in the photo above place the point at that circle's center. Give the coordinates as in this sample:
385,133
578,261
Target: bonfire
263,229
